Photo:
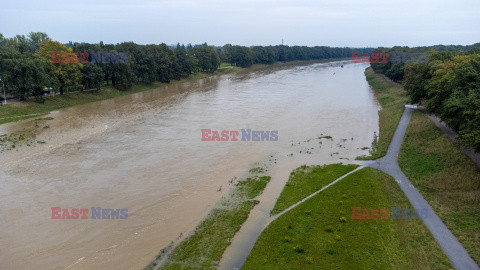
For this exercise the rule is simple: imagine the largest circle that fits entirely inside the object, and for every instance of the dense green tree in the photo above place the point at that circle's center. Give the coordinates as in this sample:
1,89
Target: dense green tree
263,55
238,55
416,79
27,77
208,59
182,68
396,72
92,76
35,39
454,96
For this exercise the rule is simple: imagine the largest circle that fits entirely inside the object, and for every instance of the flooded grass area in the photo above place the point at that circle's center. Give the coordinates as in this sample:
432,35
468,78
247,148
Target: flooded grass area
205,246
320,233
25,137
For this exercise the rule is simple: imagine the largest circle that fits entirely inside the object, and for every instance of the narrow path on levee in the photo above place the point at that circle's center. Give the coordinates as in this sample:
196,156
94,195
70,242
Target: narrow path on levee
259,218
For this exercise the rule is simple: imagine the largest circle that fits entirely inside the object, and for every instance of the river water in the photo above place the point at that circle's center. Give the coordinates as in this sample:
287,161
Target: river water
143,152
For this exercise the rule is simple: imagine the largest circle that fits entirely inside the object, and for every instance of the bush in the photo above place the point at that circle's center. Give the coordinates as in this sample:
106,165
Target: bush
309,260
298,249
329,229
39,99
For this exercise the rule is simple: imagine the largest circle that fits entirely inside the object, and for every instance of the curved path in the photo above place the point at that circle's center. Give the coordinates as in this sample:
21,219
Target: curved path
237,252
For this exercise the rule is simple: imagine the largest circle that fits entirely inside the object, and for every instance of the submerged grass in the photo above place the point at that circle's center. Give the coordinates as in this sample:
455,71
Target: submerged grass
203,249
391,97
305,180
320,234
446,178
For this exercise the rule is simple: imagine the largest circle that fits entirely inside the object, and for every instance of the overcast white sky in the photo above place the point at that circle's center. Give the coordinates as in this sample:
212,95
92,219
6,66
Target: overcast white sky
339,23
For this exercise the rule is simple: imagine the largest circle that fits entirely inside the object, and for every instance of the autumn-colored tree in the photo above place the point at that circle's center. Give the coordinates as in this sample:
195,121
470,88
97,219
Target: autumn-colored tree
67,72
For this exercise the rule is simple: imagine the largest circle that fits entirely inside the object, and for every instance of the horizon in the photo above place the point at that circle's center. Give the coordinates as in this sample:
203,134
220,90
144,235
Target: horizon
249,46
251,23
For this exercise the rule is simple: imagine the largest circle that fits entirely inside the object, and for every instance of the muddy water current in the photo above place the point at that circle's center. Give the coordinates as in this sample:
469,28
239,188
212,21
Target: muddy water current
143,152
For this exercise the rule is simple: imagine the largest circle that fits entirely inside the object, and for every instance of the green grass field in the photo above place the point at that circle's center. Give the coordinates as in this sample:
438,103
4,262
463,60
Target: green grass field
320,234
391,97
446,178
306,180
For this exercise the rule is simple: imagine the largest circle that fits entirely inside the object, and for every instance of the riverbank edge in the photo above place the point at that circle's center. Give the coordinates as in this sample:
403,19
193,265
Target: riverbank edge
204,246
28,109
392,99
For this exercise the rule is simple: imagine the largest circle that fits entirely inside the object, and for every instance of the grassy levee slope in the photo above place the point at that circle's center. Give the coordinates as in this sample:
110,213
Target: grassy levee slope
391,97
205,246
446,178
320,234
305,180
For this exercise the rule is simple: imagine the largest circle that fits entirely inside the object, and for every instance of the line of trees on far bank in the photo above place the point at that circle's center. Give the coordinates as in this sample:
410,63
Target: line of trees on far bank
26,66
448,84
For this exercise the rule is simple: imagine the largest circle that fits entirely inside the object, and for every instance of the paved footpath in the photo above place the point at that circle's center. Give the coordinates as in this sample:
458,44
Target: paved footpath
389,164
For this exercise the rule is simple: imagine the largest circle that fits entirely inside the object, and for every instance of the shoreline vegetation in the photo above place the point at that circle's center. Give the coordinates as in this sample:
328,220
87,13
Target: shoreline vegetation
392,98
204,247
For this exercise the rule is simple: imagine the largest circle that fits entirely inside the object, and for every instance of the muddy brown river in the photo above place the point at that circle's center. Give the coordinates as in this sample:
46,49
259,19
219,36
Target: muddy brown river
143,152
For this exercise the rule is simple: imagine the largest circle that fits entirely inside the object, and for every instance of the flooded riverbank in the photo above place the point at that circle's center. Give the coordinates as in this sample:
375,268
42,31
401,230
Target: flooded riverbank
144,152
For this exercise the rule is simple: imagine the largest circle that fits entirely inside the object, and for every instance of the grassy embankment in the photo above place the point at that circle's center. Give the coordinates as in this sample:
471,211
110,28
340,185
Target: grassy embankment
391,97
320,234
446,178
30,108
205,246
